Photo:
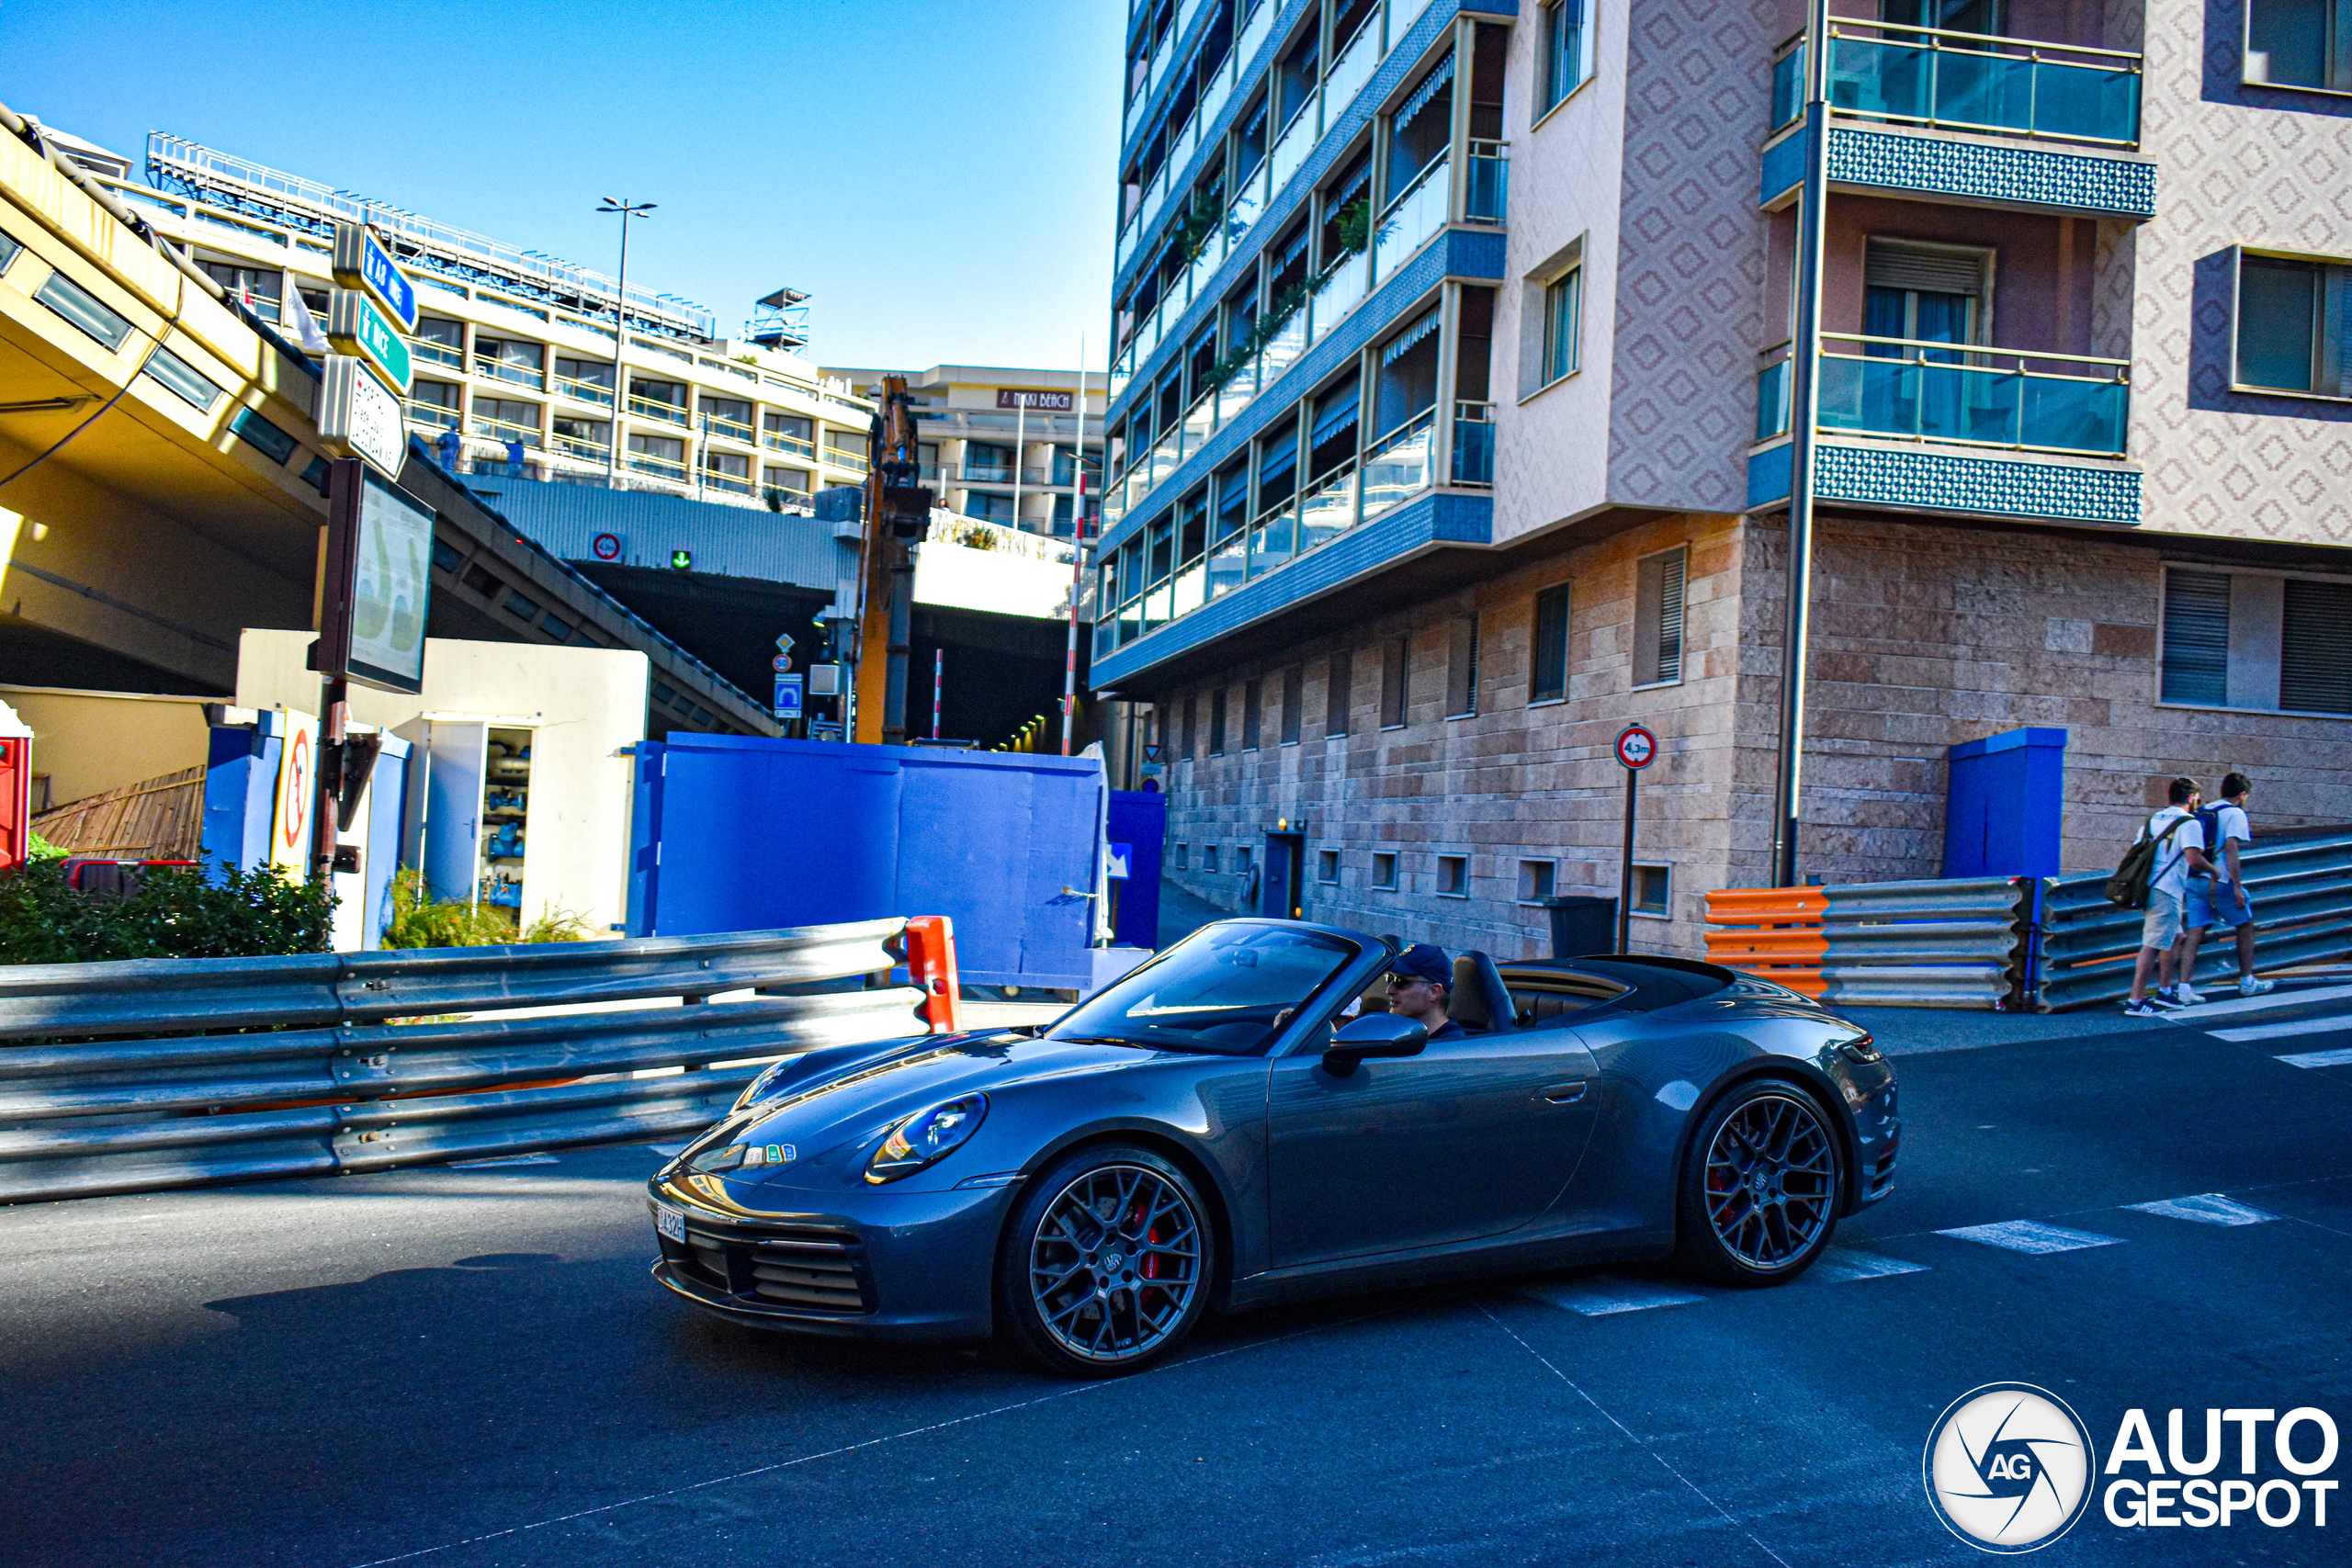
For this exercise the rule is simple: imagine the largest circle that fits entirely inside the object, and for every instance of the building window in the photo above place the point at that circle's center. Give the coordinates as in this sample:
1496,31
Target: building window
1384,870
184,378
1453,877
1293,701
1189,732
1567,50
1657,618
256,289
1562,306
1208,857
1326,865
1547,668
1392,682
791,481
2300,43
1535,880
1461,668
1217,723
1253,706
85,310
1652,891
988,508
1184,857
2294,325
1339,685
1240,859
2258,640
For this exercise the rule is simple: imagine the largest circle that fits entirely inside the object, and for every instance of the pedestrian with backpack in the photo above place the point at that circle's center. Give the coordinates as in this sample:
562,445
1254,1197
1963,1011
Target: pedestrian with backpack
2154,877
2220,900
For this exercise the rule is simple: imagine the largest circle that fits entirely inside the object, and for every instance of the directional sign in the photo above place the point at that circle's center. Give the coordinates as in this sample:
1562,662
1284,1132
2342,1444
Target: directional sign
359,414
1636,747
787,696
682,561
361,262
355,326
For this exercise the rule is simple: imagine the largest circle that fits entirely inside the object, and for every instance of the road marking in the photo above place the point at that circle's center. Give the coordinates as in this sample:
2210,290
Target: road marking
2206,1209
2282,1031
1598,1297
501,1159
2267,1002
1839,1264
2342,1058
2032,1235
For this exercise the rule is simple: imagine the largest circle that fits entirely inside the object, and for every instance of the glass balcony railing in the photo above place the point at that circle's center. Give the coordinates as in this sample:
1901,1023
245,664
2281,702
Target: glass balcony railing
1329,508
593,393
1229,564
504,430
1274,538
727,429
1773,401
1474,442
1410,220
1342,290
1284,348
1974,82
1399,467
1788,85
513,375
432,416
733,484
1978,397
1488,196
989,473
1297,140
1351,65
792,444
658,466
580,447
427,352
654,408
1200,421
1240,388
843,457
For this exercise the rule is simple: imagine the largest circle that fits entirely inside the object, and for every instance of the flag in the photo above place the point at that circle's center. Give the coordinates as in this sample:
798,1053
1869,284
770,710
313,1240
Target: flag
305,325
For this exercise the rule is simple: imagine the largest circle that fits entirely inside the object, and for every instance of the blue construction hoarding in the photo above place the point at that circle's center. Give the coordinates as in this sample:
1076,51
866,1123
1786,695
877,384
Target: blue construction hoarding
742,833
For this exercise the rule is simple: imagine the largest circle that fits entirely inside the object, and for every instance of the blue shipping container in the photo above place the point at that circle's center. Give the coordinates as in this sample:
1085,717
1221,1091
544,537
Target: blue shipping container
2003,804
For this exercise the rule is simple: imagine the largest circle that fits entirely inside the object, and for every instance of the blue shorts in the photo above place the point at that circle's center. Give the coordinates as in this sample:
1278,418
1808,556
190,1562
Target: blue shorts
2209,905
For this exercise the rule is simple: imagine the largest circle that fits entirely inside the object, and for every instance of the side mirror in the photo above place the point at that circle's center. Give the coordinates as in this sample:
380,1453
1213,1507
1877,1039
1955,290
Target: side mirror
1374,1035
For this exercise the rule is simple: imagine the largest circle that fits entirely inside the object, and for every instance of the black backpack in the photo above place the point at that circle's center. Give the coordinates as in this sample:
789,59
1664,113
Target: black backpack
2128,888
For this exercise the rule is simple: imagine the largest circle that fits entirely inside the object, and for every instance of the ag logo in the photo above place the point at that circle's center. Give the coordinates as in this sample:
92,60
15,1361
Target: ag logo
2009,1467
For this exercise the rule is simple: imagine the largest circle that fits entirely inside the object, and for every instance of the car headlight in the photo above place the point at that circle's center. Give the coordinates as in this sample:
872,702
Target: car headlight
926,1138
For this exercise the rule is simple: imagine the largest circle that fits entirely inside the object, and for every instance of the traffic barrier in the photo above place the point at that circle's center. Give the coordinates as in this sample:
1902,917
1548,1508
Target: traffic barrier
2301,890
327,1079
1960,943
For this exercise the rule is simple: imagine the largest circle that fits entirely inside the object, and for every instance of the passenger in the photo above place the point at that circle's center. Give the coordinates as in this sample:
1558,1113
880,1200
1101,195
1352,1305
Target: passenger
1421,983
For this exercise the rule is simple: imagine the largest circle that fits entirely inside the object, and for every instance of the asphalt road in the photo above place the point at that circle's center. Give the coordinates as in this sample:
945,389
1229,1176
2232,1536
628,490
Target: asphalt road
462,1368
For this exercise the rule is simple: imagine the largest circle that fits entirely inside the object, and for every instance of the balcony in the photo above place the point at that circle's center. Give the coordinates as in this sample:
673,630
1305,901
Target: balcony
580,447
660,466
512,375
504,430
1487,199
431,416
727,429
989,473
791,444
1474,443
733,484
1905,391
425,351
841,458
654,408
593,393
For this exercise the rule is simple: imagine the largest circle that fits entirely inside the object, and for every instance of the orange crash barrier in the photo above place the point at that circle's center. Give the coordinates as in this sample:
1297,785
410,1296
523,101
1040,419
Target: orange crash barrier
1773,934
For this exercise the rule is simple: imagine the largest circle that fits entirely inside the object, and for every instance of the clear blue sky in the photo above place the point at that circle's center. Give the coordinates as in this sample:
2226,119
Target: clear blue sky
936,173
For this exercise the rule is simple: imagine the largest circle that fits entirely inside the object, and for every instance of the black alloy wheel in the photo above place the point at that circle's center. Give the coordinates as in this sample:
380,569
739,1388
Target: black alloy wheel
1761,1186
1105,1265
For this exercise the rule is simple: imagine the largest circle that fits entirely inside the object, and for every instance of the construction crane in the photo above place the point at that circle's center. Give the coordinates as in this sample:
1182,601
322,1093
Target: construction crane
899,512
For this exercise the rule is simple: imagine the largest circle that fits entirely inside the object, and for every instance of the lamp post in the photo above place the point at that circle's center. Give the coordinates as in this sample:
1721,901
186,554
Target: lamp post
627,210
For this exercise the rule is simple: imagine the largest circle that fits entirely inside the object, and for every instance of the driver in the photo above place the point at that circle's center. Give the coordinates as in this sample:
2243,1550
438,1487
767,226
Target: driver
1421,983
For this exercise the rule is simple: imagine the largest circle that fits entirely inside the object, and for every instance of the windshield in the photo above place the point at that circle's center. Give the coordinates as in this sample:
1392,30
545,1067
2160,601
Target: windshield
1225,990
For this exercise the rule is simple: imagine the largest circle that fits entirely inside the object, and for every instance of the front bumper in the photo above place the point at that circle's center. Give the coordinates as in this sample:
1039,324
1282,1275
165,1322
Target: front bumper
895,1266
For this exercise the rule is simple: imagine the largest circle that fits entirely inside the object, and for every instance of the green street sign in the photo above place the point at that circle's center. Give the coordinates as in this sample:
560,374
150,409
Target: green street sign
355,326
682,561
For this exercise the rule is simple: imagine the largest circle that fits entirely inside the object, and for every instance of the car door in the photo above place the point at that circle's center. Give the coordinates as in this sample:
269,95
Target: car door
1471,1138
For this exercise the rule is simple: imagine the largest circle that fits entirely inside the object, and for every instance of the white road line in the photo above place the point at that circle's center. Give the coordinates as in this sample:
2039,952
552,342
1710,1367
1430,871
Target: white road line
1598,1297
2336,1024
1839,1264
2339,1058
2032,1235
2264,1003
2207,1209
501,1159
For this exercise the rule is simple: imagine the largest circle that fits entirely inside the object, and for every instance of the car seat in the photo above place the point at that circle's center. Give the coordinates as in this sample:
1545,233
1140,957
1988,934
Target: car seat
1479,1002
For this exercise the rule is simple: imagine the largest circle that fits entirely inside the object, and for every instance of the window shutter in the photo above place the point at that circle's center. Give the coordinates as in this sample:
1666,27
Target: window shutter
1930,269
2197,638
2315,653
1669,617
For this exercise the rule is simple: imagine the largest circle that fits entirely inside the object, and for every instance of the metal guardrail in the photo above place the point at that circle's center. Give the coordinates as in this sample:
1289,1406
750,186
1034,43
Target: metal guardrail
334,1082
2301,890
1959,942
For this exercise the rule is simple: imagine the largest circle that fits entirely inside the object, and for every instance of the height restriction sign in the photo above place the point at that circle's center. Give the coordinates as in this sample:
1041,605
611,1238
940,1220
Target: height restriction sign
1636,747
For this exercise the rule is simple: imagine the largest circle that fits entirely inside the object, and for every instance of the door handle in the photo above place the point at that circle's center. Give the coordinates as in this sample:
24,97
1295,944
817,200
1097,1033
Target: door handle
1564,1093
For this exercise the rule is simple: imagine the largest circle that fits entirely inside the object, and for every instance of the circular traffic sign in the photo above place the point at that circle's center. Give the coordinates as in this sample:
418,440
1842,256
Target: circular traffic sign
1636,747
607,547
782,663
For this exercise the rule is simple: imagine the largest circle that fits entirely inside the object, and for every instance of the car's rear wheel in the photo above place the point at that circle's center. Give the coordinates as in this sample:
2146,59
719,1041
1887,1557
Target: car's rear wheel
1759,1190
1106,1266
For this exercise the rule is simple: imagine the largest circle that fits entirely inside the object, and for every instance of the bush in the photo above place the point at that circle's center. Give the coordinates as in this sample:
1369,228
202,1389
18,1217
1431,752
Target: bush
419,922
177,913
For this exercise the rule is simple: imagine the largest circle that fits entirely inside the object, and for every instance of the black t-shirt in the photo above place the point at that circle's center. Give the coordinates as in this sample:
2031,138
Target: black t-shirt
1448,1030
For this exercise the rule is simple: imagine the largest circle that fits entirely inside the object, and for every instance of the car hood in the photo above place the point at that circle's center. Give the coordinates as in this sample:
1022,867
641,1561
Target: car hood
817,1126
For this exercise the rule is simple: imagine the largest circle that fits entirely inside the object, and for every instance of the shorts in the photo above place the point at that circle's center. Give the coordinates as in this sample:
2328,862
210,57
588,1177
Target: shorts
2209,905
2163,924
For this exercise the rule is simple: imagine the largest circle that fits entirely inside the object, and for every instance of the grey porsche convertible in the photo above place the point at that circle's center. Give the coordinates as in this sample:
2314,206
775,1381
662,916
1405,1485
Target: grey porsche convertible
1241,1121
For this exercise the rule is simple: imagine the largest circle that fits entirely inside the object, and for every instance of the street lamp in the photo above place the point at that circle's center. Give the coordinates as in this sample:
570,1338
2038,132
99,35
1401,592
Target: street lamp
627,210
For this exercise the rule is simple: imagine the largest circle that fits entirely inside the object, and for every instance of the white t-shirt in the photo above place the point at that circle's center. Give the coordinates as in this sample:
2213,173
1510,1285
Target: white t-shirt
2171,874
2230,823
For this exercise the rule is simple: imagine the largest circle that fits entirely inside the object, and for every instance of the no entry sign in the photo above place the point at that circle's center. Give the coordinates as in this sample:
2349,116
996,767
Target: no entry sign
1636,747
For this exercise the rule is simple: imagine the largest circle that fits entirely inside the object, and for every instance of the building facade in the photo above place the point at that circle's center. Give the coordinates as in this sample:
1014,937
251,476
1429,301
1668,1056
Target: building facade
1005,445
1450,433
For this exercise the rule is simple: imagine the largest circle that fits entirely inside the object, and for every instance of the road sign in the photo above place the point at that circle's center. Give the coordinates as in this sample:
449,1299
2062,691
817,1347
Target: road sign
1154,752
1636,747
782,642
606,545
359,414
355,326
783,662
1118,862
787,696
682,561
290,843
361,262
825,729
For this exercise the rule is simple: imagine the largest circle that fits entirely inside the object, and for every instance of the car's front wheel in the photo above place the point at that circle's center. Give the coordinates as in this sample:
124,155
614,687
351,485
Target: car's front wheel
1105,1265
1759,1186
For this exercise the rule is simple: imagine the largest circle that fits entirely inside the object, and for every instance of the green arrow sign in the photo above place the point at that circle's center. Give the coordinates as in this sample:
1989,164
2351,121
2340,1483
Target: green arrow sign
355,326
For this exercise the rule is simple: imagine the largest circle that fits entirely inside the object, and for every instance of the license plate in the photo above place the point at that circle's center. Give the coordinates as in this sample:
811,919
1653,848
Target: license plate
670,1222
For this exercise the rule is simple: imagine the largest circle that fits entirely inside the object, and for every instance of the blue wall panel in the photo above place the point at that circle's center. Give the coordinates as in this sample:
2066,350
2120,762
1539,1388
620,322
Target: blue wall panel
2003,804
1140,820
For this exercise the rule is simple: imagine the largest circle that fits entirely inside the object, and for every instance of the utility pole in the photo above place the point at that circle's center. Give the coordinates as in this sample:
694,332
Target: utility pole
1804,408
627,210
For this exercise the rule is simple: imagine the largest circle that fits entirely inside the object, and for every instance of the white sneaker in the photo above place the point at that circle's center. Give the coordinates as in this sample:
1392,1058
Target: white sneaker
2186,994
2253,985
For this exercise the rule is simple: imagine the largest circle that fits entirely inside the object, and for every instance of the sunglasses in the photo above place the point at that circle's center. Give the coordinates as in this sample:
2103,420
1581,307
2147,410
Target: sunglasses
1397,980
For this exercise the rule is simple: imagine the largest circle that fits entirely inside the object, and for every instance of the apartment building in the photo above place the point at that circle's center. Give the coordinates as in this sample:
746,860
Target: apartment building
1006,445
513,350
1451,431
